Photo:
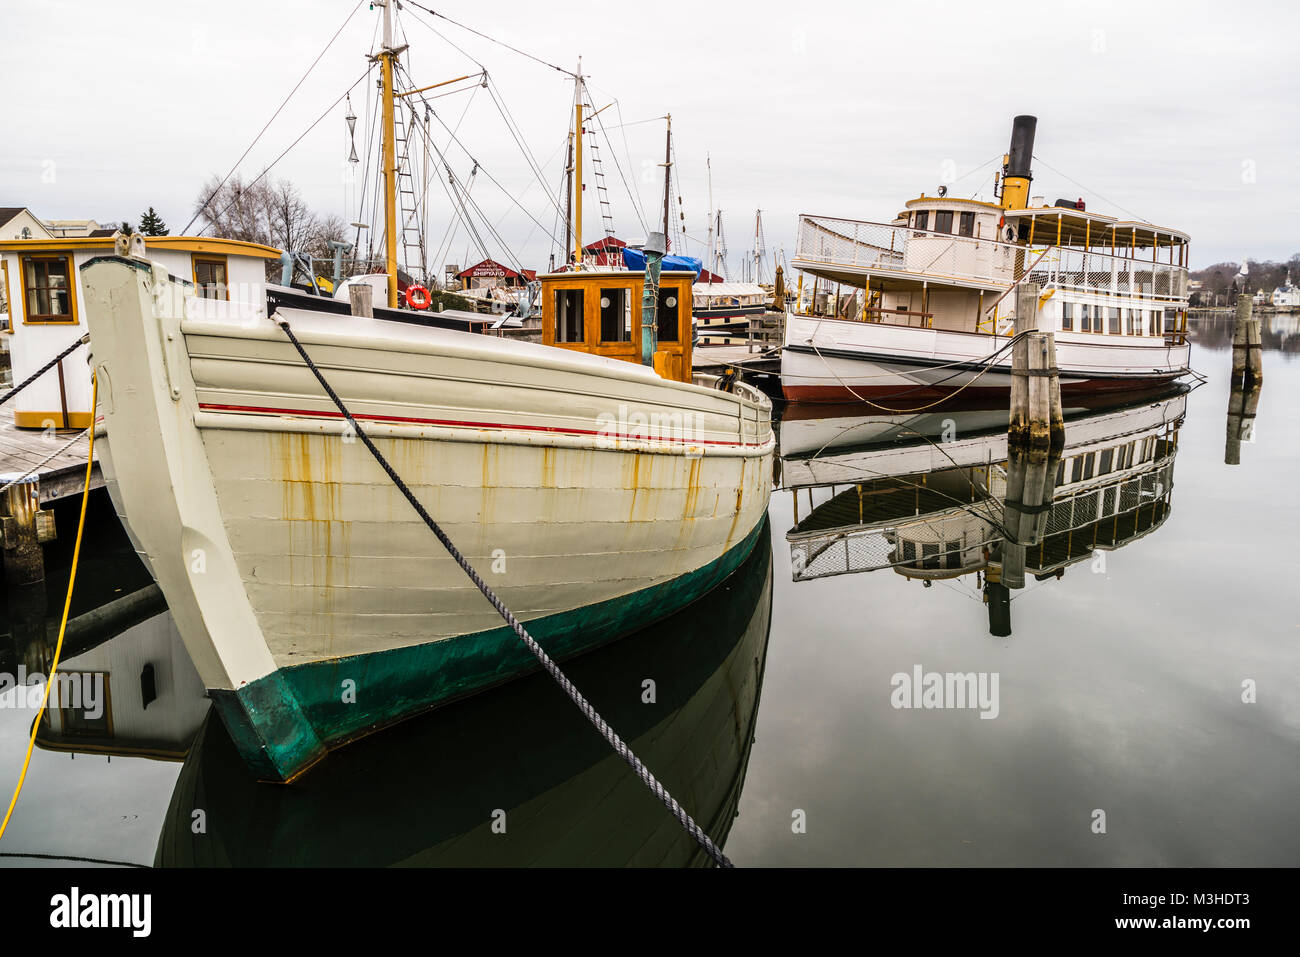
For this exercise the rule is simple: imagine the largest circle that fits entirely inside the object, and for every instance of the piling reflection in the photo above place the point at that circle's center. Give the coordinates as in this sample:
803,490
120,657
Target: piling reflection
936,497
514,776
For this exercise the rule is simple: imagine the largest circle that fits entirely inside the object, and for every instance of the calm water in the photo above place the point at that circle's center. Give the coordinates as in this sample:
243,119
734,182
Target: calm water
1119,688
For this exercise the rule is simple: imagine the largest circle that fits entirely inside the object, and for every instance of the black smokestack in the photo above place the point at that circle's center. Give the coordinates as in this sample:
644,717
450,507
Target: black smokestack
1022,146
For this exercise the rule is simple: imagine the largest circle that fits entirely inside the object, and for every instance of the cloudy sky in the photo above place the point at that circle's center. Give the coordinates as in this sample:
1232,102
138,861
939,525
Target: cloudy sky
1183,114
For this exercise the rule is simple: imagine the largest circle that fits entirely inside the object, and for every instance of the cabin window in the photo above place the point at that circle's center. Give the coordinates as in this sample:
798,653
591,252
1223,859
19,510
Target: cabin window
1114,321
1076,470
1171,320
1086,318
6,319
615,315
47,289
1067,316
1154,322
1107,463
943,221
967,225
923,220
930,555
1060,472
1089,462
909,550
666,317
1129,326
568,316
79,720
210,278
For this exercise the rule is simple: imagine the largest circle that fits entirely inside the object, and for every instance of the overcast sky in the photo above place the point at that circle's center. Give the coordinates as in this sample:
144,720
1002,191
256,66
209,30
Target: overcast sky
1183,114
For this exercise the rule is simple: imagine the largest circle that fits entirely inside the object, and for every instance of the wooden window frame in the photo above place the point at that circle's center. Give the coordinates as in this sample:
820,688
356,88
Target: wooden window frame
28,319
223,261
8,299
921,219
938,216
1067,317
965,219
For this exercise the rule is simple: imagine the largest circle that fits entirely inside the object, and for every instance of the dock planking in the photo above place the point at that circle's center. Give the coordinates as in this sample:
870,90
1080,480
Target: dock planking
22,450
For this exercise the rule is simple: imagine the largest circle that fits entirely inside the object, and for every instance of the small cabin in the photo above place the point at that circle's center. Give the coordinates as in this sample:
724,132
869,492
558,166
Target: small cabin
41,309
600,313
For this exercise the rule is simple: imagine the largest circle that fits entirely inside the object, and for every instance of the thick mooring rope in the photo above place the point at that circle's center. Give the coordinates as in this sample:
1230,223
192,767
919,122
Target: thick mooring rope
615,742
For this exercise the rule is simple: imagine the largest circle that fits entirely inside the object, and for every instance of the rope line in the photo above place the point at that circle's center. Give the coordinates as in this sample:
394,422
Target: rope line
67,606
987,359
617,743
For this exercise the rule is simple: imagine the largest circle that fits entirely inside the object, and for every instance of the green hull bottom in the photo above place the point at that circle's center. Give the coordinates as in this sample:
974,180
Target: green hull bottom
284,723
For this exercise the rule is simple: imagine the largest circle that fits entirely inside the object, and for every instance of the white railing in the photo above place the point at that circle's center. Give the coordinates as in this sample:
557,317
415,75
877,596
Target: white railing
927,255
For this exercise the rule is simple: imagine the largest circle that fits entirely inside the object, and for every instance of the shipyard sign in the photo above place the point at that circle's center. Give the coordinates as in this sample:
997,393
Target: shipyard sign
488,270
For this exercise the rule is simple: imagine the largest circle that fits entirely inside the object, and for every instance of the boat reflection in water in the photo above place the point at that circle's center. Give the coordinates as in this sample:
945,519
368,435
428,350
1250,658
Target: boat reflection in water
927,495
515,775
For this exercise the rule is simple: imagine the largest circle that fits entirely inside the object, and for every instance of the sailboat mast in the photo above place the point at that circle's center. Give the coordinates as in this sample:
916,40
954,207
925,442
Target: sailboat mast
577,167
668,177
568,198
709,244
387,55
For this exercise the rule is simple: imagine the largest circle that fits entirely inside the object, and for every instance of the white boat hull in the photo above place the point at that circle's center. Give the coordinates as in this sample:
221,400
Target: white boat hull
843,360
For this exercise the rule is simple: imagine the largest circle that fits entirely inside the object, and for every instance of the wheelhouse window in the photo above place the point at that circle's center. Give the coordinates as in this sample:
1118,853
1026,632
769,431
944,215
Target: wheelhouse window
210,278
1114,320
966,226
615,315
568,316
943,221
922,220
666,319
1067,316
47,289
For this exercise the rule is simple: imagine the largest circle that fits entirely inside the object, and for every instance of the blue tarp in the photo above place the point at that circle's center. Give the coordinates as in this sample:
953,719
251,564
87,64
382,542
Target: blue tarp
634,259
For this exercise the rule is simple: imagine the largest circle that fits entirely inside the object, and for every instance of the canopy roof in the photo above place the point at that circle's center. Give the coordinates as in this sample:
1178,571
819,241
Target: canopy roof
1079,227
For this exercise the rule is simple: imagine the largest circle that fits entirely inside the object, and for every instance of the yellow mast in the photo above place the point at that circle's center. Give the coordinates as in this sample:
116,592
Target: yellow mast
577,169
389,158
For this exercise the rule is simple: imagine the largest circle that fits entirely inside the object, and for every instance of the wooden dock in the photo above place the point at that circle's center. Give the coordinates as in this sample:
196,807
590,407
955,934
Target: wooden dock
62,475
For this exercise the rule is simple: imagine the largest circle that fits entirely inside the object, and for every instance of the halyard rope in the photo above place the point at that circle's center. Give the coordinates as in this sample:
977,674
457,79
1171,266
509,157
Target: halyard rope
617,743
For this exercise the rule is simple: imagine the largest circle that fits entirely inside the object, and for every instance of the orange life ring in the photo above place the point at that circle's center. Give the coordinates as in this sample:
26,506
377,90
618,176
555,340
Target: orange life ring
417,297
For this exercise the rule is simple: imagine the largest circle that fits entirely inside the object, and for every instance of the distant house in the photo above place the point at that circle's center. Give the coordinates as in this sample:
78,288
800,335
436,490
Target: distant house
81,228
17,222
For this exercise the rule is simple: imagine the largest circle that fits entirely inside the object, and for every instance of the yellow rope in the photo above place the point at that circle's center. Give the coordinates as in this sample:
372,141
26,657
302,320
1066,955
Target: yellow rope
67,605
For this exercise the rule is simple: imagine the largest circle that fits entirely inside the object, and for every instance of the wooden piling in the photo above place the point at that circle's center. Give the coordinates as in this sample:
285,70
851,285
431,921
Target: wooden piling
362,297
24,527
1037,419
1242,403
1247,348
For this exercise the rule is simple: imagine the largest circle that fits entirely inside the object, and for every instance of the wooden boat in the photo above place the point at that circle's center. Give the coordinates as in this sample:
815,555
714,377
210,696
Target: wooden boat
595,482
931,297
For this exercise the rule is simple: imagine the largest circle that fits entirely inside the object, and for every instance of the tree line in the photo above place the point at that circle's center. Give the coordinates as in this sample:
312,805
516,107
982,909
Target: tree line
1220,280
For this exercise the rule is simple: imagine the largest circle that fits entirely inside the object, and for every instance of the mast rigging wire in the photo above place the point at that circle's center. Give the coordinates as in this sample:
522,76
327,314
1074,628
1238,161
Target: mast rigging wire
244,155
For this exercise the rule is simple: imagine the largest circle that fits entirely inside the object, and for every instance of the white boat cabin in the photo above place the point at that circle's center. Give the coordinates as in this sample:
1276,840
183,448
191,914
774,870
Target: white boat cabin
40,309
953,264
